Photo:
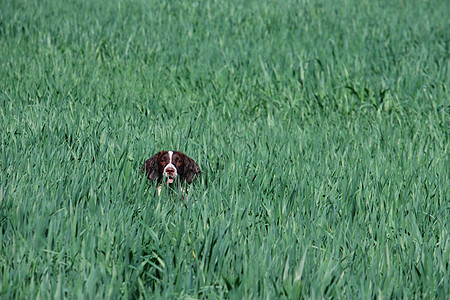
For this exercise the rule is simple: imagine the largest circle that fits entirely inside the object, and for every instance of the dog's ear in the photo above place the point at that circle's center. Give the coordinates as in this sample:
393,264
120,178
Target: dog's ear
151,167
191,169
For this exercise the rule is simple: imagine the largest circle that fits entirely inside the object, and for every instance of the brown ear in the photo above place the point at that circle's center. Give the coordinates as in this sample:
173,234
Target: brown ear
151,167
191,169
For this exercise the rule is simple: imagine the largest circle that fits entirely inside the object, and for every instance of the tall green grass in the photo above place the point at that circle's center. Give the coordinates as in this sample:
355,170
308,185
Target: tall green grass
321,128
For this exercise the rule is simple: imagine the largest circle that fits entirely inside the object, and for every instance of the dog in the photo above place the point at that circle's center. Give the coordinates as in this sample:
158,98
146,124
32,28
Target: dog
171,168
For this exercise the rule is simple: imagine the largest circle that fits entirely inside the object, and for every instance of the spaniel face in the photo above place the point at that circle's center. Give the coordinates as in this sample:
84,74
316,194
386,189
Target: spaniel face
170,167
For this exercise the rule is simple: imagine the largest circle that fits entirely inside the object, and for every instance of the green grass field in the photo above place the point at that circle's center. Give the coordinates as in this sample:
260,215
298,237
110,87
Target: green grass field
321,128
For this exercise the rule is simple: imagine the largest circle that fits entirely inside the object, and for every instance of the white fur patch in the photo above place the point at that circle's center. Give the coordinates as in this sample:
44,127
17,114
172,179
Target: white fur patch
182,190
159,190
171,165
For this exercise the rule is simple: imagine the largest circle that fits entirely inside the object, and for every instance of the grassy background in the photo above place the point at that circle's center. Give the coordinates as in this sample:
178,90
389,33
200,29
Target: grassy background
321,128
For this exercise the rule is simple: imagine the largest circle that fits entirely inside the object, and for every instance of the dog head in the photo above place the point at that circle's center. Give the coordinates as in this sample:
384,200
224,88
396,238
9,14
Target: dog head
171,167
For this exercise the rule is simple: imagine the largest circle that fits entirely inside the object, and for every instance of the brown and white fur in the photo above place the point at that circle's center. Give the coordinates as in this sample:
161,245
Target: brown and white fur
171,168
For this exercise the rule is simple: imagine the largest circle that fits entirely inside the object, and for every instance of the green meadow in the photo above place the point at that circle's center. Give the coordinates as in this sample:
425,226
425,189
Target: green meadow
321,129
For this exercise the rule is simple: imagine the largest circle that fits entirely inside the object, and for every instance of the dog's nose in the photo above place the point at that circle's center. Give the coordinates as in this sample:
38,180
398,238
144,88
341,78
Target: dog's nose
170,171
